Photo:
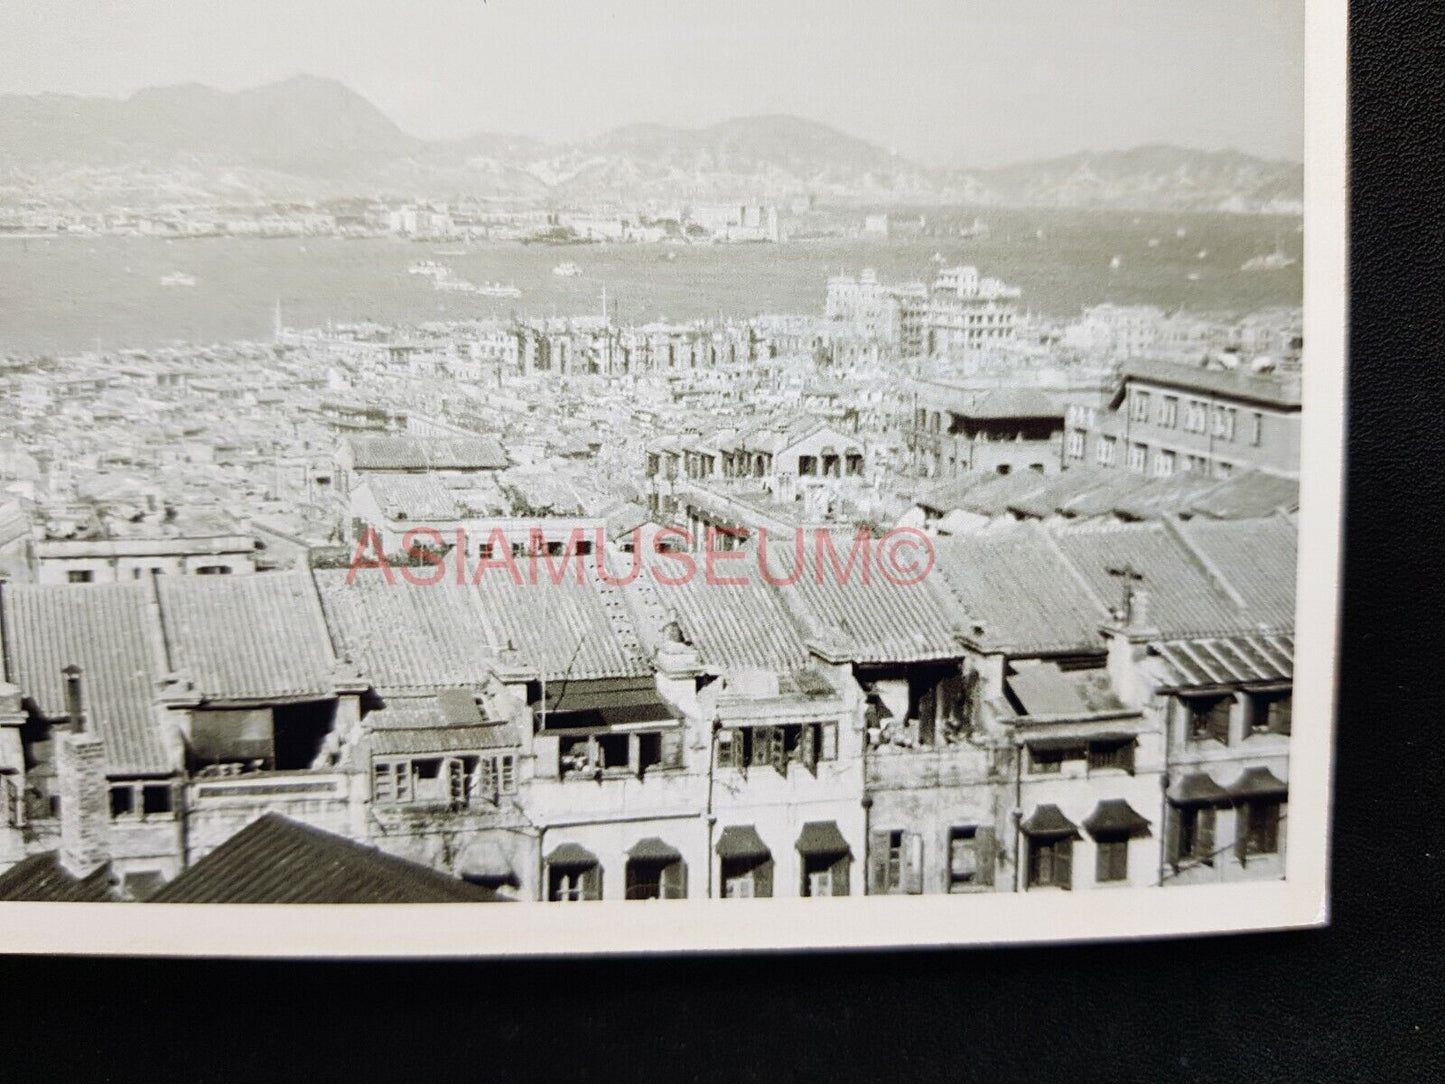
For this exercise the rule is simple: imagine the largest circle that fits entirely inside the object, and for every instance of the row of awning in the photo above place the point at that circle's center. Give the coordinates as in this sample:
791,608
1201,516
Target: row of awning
1254,784
1111,817
737,841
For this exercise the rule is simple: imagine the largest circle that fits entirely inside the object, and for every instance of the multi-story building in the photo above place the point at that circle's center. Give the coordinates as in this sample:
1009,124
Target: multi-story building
1165,419
998,726
895,315
951,428
969,313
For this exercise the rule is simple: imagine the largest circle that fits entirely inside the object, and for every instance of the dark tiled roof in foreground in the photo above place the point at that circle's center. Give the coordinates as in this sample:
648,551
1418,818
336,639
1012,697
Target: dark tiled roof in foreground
109,631
42,879
278,860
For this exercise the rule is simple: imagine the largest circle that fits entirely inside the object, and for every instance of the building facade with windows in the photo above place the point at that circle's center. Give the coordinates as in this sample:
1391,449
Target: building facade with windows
1167,419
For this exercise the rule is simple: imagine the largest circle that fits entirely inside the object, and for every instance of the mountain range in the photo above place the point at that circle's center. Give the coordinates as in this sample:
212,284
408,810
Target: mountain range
311,138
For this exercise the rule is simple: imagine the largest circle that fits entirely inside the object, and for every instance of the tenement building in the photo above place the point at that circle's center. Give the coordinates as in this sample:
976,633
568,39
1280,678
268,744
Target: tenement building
1167,418
1056,706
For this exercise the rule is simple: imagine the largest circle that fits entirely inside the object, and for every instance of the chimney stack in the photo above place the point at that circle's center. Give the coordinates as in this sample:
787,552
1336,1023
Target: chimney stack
1137,615
84,797
74,699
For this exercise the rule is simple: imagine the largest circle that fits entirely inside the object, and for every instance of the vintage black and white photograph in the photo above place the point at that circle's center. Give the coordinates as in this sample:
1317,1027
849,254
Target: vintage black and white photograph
695,461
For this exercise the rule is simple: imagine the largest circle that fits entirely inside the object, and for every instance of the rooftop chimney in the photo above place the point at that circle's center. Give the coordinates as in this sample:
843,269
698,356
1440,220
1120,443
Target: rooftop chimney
84,797
74,699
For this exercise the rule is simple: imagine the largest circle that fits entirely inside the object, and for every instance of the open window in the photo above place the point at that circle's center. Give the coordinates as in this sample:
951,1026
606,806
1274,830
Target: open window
655,871
1207,717
827,860
745,863
573,874
895,862
1051,837
972,855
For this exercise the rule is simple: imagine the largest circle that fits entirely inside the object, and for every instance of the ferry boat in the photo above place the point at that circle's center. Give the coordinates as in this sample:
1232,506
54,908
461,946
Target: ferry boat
1116,263
567,270
428,267
449,252
178,278
1272,262
497,289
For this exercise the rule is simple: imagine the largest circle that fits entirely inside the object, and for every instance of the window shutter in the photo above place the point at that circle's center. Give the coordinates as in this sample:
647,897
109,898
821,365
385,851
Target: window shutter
842,869
674,880
1064,863
380,782
763,878
547,749
877,863
809,747
1279,714
1172,827
986,843
592,883
777,751
403,770
912,863
456,782
1241,832
487,778
671,741
728,744
1218,723
634,754
762,746
829,742
927,711
1204,835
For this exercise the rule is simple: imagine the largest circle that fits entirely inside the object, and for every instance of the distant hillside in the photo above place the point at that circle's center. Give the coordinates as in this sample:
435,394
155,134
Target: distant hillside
1157,177
312,138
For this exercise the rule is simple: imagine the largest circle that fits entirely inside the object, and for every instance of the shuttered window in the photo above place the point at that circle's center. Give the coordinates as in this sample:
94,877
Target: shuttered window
745,878
972,855
1113,858
1191,835
1208,717
1051,863
1257,828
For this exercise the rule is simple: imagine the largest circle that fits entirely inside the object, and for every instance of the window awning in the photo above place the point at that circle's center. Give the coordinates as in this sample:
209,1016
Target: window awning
1114,816
741,841
571,856
1259,783
1049,822
1197,789
1059,741
822,838
653,849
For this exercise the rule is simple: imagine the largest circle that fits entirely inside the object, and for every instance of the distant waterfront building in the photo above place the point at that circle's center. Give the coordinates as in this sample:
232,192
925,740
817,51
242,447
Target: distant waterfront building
1118,331
968,313
895,315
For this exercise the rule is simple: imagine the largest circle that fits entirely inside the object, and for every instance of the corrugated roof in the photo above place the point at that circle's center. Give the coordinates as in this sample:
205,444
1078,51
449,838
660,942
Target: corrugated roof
1233,660
248,637
1248,494
109,631
278,860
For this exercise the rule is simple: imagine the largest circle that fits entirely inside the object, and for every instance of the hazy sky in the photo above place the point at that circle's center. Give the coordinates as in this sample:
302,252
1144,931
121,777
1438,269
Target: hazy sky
959,82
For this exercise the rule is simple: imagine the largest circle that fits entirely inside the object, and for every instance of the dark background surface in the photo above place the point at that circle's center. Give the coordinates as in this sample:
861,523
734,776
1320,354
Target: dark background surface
1359,1001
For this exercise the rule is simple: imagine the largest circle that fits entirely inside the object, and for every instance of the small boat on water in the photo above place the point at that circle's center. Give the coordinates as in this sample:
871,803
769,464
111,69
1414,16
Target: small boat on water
1202,254
1153,242
568,269
497,289
1181,232
178,278
1193,276
428,267
1116,263
449,252
1274,261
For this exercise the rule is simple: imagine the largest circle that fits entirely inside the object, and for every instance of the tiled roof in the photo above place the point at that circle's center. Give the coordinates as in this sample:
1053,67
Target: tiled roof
42,879
278,860
416,453
1014,583
1266,388
1248,494
744,626
1259,559
247,637
1232,660
417,497
109,631
404,636
1184,598
581,631
885,619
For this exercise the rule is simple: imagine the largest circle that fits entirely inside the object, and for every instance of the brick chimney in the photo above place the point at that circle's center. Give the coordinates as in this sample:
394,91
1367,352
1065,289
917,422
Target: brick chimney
84,799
